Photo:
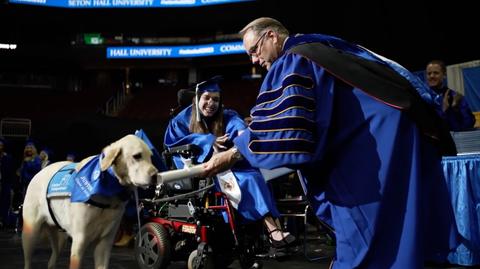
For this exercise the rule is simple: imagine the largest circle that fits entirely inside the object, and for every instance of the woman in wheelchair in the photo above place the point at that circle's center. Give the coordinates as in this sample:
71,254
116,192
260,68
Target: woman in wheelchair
206,124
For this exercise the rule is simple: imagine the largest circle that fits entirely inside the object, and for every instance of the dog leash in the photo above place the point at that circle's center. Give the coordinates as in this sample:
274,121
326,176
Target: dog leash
135,191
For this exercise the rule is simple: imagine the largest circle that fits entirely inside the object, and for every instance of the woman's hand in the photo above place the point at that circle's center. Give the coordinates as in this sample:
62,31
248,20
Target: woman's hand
219,144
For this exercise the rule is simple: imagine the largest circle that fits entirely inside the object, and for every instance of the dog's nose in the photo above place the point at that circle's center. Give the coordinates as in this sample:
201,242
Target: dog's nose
153,171
154,179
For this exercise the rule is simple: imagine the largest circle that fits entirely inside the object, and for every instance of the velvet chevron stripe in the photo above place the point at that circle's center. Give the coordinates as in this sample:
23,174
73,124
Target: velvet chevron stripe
289,81
290,102
283,124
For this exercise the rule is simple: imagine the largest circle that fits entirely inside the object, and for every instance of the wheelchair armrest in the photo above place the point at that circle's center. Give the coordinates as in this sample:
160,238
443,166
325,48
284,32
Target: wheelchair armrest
186,151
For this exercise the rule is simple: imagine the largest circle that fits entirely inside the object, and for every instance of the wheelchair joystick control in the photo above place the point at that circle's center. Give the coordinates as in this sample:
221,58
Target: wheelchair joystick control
159,189
191,208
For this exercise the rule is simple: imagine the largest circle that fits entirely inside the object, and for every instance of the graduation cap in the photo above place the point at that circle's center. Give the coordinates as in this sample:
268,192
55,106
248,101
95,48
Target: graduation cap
209,85
29,142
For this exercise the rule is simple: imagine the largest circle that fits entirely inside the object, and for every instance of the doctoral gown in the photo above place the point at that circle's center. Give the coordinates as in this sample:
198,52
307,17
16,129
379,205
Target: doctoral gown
367,168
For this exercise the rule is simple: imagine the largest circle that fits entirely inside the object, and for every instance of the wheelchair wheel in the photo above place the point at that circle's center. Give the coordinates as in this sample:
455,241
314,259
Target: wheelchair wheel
201,258
248,260
153,248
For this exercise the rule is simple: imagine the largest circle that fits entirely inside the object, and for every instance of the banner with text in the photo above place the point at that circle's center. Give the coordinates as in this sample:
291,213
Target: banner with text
123,3
176,51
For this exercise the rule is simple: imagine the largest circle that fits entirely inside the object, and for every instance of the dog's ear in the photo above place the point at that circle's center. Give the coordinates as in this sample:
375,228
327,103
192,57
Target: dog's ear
110,153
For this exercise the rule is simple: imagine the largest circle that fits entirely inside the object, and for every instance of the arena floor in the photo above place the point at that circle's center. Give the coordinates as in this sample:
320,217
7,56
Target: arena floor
123,257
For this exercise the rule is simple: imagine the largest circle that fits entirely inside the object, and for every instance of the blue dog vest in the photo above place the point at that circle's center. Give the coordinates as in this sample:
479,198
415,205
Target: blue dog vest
60,184
83,185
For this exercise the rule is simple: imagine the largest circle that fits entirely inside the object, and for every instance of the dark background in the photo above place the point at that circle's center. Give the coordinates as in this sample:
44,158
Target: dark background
61,84
410,32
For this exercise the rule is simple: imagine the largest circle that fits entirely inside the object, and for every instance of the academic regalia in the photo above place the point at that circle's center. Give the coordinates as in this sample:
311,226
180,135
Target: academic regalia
367,168
459,118
256,199
30,167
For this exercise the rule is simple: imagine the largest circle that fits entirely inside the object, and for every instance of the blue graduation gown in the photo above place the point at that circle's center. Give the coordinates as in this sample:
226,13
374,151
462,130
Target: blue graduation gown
256,198
368,170
29,169
459,118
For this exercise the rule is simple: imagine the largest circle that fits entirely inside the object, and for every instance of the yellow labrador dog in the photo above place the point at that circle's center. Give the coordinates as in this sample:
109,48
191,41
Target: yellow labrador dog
90,218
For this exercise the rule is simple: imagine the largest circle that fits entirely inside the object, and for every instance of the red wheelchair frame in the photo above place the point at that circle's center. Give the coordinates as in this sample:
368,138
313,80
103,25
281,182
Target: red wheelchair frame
199,226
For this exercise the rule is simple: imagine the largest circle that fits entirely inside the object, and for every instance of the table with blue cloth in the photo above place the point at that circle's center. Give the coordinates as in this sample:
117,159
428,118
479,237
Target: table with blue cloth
463,179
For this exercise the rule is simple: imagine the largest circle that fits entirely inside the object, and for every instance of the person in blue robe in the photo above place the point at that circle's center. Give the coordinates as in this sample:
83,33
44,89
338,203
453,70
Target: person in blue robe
46,157
366,137
31,165
456,110
206,124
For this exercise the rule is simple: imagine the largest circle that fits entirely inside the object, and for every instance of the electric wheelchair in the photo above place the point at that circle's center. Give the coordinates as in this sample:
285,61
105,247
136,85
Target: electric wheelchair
190,220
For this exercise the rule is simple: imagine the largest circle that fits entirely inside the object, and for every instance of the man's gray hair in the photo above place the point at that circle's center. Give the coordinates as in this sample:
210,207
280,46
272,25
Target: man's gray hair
265,23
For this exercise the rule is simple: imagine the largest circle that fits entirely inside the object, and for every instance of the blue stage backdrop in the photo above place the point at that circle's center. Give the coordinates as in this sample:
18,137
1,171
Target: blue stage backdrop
124,3
471,81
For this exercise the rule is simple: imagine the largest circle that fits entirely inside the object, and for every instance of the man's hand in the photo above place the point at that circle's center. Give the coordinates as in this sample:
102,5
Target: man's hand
457,99
220,162
445,104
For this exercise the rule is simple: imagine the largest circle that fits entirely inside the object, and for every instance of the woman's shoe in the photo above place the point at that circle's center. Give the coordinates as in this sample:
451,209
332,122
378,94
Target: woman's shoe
284,242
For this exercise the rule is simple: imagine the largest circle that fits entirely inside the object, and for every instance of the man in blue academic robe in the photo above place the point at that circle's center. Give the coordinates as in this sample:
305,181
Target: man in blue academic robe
365,135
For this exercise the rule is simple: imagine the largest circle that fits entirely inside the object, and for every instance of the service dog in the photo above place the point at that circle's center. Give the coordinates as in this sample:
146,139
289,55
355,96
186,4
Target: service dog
91,220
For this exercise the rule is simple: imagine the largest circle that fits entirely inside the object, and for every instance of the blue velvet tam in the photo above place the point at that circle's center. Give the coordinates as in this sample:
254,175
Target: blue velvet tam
2,141
209,85
29,142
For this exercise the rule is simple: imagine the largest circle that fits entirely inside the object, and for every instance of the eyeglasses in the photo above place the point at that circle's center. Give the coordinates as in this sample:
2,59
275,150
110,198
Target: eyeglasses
253,50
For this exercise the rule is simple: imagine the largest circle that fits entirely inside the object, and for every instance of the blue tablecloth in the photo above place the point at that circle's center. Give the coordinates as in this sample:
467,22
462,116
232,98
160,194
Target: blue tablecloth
463,179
